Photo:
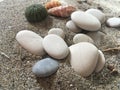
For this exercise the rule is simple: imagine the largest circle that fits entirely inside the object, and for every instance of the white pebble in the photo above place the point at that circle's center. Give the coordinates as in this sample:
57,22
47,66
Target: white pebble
82,38
83,58
113,22
101,62
57,31
55,46
98,14
85,21
31,41
71,26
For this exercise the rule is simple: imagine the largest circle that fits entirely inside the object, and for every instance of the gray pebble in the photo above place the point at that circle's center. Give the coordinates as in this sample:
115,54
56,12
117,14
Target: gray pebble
45,67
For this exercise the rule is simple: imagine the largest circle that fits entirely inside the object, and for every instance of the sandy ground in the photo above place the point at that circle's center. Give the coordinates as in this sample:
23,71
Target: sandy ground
16,63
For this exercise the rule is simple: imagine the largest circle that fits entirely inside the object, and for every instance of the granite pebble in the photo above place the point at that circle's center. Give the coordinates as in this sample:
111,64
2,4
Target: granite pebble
45,67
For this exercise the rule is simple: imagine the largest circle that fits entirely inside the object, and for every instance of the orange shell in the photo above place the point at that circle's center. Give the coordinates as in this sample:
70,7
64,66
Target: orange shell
52,4
62,11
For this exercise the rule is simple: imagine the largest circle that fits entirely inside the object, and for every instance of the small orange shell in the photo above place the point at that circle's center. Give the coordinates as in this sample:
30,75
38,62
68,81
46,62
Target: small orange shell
62,11
52,4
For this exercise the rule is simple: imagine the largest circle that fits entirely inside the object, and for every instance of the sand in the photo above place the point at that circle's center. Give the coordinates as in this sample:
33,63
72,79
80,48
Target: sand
16,63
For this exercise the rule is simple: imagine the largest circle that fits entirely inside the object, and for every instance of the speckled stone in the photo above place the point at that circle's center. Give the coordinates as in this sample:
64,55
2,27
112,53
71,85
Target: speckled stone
83,58
101,61
98,14
82,38
57,31
45,67
55,46
113,22
72,27
31,41
85,21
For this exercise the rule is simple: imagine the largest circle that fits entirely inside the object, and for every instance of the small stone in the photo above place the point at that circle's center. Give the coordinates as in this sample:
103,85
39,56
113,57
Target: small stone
113,22
45,67
98,14
55,46
57,31
30,41
71,26
85,21
82,38
101,62
83,58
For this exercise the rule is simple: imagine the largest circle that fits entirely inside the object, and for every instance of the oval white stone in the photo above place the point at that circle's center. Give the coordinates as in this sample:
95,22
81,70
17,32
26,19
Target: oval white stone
113,22
85,21
83,58
82,38
71,25
57,31
98,14
55,46
31,41
101,62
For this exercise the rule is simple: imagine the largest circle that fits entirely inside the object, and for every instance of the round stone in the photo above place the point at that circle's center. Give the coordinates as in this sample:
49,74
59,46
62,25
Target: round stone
57,31
55,46
30,41
71,26
98,14
82,38
83,58
85,21
45,67
113,22
101,61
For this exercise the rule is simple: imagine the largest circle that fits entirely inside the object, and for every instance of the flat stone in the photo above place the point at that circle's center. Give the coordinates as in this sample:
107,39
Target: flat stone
98,14
113,22
101,62
83,58
30,41
55,46
57,31
82,38
72,27
45,67
85,21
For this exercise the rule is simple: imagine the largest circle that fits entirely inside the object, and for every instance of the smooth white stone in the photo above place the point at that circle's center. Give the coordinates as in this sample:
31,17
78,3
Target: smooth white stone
85,21
98,14
113,22
45,67
71,26
83,58
30,41
57,31
55,46
101,62
82,38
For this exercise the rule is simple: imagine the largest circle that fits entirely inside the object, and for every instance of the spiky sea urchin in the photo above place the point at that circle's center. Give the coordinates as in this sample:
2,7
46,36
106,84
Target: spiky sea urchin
36,13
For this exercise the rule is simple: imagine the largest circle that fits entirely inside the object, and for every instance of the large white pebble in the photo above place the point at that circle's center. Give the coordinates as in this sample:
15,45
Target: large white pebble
71,26
113,22
83,58
82,38
45,67
85,21
101,62
98,14
55,46
57,31
31,41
